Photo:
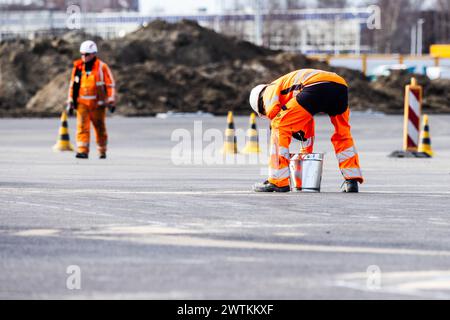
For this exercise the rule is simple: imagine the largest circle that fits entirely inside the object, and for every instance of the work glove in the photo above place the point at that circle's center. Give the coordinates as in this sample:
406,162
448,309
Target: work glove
300,136
70,108
112,107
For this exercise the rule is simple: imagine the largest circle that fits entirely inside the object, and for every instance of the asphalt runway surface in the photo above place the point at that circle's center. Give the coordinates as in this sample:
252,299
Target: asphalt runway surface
145,225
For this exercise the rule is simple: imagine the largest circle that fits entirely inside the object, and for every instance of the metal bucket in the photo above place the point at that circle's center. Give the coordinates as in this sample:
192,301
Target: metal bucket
306,172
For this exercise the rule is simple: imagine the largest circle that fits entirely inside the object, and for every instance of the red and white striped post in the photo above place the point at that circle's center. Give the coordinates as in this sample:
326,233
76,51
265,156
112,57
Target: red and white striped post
413,111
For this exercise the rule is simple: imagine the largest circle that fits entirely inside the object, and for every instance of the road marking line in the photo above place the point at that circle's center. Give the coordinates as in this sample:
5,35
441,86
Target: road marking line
37,233
47,191
186,241
194,193
433,284
440,193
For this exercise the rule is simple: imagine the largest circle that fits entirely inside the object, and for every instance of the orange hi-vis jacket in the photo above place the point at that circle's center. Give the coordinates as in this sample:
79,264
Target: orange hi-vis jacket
96,88
282,92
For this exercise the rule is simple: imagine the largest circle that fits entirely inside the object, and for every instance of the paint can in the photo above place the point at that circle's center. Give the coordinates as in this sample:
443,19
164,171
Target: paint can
306,172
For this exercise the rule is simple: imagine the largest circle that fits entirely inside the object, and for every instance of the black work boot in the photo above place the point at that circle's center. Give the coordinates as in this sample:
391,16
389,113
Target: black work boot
350,186
82,155
269,187
102,156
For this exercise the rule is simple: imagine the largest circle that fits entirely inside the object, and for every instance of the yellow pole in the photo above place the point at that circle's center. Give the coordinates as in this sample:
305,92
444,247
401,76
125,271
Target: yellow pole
437,61
364,64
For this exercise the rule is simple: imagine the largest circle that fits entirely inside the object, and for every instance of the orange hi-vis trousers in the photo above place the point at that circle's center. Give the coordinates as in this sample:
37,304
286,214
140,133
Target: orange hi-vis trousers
96,115
296,119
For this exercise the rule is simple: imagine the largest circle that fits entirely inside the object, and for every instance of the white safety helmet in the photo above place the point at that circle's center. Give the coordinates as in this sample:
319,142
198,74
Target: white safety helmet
254,97
88,46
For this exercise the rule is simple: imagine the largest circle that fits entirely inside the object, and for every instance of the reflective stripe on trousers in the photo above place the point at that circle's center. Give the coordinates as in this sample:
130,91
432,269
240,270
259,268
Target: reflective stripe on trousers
280,151
351,173
346,154
86,116
82,144
279,161
279,174
88,97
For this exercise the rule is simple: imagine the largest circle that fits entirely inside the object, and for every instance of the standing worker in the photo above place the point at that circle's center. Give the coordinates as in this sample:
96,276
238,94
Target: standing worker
92,90
291,103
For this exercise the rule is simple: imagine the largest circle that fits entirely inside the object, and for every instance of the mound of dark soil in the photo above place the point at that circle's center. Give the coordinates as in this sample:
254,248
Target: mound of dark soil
178,67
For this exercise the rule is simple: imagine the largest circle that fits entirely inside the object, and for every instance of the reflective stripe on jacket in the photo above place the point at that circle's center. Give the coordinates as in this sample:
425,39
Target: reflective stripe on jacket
97,87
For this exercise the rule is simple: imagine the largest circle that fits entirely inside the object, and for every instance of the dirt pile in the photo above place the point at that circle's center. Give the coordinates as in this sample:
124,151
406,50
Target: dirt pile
26,67
436,92
177,67
25,70
184,43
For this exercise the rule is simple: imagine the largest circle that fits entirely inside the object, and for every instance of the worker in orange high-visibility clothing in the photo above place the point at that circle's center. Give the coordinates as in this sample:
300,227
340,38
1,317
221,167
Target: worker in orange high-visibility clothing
92,90
291,103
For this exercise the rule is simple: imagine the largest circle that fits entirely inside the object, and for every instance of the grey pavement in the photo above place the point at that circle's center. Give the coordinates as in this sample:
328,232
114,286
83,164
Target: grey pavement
141,226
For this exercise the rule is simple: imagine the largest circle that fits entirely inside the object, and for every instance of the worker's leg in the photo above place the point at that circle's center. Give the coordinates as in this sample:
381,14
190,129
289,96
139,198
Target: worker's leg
293,121
83,128
98,117
301,124
279,157
345,148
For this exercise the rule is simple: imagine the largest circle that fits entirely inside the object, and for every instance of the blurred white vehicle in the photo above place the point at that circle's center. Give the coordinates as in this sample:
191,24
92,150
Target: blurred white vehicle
171,114
386,70
435,73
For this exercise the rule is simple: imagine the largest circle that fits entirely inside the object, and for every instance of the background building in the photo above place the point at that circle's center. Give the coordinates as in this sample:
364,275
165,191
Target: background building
315,26
61,5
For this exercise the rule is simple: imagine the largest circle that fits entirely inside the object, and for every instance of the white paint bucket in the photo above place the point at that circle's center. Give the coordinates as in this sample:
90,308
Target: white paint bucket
306,172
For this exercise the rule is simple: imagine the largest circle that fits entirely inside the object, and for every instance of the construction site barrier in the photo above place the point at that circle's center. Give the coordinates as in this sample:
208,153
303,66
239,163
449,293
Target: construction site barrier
413,111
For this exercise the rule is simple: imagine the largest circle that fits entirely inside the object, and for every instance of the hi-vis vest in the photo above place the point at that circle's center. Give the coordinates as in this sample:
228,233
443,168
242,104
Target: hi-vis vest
283,91
96,88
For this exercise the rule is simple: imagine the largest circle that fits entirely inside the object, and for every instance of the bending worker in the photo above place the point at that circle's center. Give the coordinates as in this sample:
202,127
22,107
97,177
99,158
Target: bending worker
291,103
92,90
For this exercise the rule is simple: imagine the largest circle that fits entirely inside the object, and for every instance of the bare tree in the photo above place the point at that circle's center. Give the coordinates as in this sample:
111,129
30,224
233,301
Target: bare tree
331,3
397,19
443,5
296,4
437,23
